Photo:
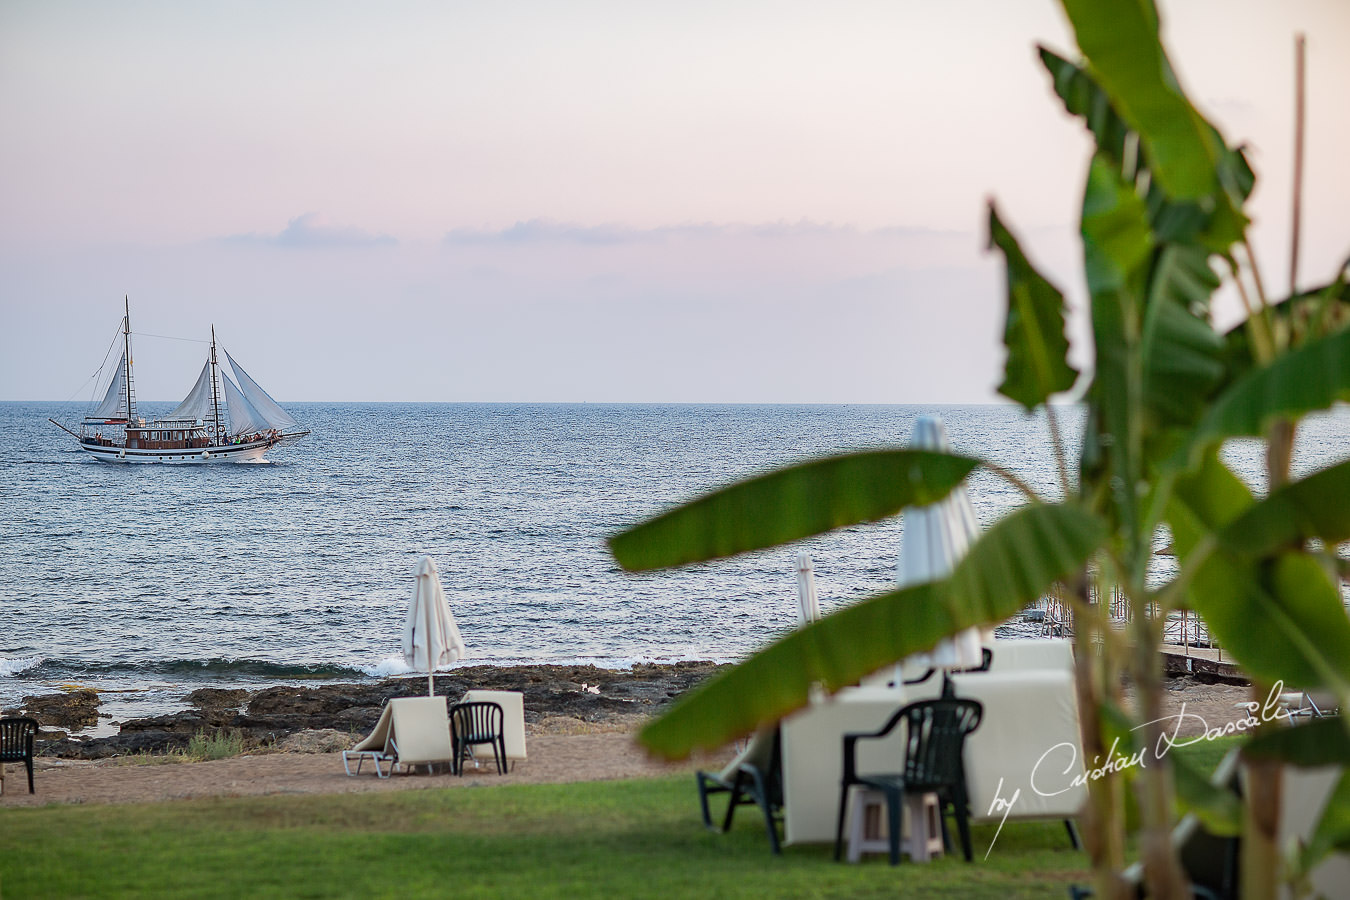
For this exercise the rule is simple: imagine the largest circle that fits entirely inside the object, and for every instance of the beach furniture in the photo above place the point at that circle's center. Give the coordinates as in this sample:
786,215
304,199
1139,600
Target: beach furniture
1030,655
1026,761
755,776
1030,714
412,731
472,725
1209,861
1029,745
431,638
16,745
1314,704
513,719
813,765
935,733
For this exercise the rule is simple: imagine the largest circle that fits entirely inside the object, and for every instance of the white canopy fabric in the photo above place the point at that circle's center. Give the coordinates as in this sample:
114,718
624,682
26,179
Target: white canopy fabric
431,638
260,400
114,405
808,601
197,404
243,417
933,540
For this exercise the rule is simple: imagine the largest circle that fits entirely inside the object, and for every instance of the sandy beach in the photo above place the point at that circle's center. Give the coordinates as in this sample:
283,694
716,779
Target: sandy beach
560,749
552,758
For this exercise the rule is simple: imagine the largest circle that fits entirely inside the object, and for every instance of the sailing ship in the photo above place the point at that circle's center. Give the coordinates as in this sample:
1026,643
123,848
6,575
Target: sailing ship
222,420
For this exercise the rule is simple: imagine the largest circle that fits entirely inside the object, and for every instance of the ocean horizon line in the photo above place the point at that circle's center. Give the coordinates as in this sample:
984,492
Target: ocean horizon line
609,403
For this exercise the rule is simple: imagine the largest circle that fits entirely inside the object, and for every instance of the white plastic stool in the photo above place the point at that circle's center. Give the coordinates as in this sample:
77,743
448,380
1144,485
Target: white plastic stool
921,838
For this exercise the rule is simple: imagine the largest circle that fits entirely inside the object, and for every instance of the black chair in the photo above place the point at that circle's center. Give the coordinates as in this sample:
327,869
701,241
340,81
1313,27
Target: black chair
474,724
754,776
16,745
935,738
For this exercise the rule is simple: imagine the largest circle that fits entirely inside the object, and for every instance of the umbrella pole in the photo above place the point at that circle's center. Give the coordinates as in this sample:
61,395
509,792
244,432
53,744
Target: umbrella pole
431,664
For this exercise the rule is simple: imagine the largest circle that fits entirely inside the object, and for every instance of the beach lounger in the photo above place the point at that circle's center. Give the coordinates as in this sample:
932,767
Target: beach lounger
412,731
1314,704
754,776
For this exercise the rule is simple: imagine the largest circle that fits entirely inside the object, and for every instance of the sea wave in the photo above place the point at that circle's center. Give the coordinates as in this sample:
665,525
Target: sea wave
616,663
9,667
394,665
189,669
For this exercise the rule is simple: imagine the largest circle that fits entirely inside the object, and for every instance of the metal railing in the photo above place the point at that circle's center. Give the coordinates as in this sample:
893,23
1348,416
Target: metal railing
1183,628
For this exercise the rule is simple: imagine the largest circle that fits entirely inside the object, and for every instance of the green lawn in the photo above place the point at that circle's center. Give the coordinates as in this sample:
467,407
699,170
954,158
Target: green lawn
616,839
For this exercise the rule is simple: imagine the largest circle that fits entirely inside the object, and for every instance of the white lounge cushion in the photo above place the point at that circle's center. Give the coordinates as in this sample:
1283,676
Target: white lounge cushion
420,730
1030,726
513,717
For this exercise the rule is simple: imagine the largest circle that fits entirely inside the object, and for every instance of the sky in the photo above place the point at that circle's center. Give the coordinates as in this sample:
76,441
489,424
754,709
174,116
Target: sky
775,202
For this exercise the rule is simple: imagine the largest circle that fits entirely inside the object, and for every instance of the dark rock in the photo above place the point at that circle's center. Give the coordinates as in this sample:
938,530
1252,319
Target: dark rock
270,715
71,710
323,740
117,745
188,722
322,700
217,698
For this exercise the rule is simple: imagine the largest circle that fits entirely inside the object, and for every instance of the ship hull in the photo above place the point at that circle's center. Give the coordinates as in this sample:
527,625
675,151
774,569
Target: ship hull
230,453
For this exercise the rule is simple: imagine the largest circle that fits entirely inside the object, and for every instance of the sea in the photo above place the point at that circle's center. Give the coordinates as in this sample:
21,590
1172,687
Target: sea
146,582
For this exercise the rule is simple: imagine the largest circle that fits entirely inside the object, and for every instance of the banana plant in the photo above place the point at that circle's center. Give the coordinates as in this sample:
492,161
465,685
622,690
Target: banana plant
1162,218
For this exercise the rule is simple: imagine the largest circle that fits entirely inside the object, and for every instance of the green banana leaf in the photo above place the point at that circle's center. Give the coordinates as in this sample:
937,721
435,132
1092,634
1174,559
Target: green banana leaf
1199,221
1117,241
1281,615
1038,352
1301,380
1126,57
1181,353
789,504
1305,316
1014,563
1216,806
1319,742
1117,246
1085,99
1316,506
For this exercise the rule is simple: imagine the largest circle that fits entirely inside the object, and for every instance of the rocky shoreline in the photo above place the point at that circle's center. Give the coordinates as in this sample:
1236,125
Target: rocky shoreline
557,698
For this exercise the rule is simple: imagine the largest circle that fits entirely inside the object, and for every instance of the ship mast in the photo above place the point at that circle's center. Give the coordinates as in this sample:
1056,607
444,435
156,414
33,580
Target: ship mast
215,396
126,351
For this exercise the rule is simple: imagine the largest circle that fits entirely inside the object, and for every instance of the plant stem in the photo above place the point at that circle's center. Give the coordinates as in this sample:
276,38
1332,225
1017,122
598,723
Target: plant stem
1057,443
1008,476
1261,863
1104,814
1300,45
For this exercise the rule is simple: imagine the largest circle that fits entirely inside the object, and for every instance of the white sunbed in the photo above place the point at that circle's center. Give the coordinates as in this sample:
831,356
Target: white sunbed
412,731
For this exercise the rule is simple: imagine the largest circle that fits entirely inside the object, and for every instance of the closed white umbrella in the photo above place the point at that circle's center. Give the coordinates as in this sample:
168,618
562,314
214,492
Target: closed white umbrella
934,539
431,638
808,601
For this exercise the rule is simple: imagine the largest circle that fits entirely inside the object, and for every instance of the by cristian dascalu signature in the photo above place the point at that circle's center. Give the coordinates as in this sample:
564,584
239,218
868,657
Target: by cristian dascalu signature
1067,752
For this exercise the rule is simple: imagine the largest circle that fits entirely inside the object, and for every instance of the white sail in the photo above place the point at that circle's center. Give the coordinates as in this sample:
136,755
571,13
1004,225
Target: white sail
244,419
272,414
197,405
114,405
